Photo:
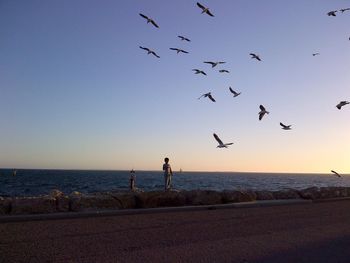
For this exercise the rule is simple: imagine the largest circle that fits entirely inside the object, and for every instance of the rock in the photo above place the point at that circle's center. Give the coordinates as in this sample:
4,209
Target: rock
33,205
238,196
80,202
5,206
203,197
310,193
126,200
286,194
264,195
333,192
160,199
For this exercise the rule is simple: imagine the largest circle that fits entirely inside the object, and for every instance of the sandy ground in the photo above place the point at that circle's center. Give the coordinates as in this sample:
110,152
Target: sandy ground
297,233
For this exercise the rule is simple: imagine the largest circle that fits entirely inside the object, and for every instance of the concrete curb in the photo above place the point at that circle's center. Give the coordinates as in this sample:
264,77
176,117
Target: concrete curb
104,213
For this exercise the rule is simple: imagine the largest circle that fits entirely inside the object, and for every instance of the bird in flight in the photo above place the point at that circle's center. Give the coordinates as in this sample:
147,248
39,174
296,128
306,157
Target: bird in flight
150,51
214,64
208,95
285,127
149,20
341,104
262,112
332,13
198,71
235,94
204,9
315,54
178,50
224,71
344,9
255,56
221,144
184,38
335,173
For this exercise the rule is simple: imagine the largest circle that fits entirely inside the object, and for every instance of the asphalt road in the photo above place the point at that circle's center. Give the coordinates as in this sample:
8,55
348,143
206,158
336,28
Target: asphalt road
318,232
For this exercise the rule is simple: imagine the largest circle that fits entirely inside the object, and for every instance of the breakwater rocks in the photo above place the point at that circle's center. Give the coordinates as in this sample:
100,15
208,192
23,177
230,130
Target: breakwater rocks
57,201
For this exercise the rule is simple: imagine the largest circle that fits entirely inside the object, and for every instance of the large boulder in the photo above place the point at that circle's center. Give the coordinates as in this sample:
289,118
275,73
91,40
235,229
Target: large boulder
81,202
160,199
203,197
333,192
264,195
5,205
310,193
286,194
33,205
238,196
125,200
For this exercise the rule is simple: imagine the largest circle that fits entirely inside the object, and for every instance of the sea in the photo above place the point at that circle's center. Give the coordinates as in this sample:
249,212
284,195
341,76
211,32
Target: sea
30,182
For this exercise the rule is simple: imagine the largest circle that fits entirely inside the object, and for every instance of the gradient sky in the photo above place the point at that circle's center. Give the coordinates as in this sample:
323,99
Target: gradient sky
77,92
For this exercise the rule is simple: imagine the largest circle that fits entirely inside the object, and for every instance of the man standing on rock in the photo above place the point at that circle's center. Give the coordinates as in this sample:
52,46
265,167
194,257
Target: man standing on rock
168,173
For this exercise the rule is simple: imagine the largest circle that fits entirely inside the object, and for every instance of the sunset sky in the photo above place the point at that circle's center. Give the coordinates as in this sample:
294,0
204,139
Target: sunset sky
77,92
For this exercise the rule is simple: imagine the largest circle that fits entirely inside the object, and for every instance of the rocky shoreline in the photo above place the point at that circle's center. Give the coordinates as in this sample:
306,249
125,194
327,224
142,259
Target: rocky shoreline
57,201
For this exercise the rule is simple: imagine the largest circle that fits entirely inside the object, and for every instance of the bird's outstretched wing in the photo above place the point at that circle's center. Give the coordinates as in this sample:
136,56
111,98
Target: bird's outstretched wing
232,91
262,108
146,17
284,126
211,97
155,54
217,139
200,6
208,12
154,23
335,173
144,48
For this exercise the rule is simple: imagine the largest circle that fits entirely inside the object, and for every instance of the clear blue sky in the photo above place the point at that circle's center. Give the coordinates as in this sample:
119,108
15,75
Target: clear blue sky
76,91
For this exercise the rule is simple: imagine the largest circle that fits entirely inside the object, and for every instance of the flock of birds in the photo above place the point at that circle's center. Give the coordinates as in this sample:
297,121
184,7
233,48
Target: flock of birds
263,111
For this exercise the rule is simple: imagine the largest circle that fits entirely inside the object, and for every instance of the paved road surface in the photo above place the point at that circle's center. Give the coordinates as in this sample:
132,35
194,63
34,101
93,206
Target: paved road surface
297,233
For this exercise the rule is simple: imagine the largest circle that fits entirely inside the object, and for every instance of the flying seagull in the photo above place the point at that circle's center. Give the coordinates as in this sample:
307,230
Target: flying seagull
335,173
149,20
184,38
332,13
255,56
285,127
341,104
221,144
315,54
262,112
235,94
224,71
198,71
204,9
344,9
178,50
207,95
214,64
150,51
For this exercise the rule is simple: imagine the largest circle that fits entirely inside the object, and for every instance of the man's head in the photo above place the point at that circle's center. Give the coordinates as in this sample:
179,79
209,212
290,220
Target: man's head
166,159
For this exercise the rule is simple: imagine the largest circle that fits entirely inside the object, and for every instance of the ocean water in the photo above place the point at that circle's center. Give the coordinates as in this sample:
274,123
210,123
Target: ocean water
41,182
